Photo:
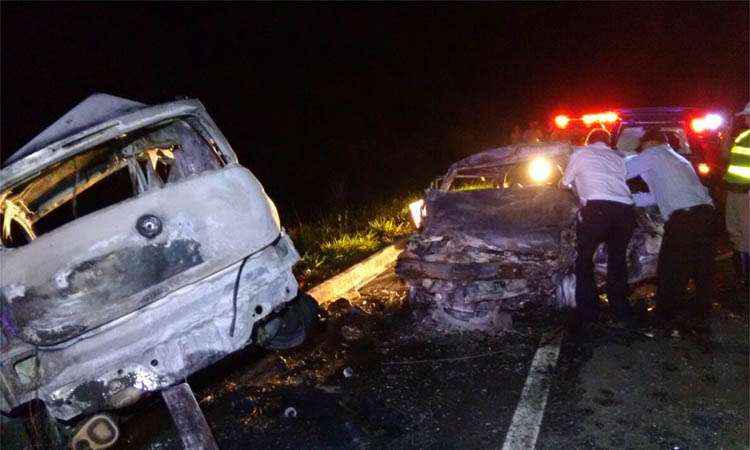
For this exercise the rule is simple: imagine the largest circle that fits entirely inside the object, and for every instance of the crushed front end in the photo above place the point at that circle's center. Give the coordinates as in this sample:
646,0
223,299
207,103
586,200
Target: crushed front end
495,234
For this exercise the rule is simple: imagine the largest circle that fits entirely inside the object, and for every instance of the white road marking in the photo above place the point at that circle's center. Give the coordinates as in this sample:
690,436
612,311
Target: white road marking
527,420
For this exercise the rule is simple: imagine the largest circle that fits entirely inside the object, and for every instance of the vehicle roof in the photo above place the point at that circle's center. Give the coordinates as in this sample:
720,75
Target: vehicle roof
95,109
488,160
512,154
48,149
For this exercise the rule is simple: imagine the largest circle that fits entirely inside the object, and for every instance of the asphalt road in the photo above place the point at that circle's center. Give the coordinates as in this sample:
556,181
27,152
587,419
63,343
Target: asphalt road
370,376
660,393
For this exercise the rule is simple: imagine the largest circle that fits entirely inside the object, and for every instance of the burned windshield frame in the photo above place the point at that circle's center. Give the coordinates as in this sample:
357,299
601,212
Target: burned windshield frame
505,176
199,127
148,154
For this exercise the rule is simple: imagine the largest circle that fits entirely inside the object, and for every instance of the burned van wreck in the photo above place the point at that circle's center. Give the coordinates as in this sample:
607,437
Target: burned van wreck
495,233
135,251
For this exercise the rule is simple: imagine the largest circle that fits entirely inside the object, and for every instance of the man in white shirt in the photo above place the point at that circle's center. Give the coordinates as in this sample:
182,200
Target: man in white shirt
684,202
607,215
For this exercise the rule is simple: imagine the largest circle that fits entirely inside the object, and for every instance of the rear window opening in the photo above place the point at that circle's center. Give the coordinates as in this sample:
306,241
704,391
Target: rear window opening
103,176
629,139
110,191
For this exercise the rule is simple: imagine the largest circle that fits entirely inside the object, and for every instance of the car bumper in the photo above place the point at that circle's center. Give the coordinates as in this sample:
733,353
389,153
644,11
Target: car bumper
164,342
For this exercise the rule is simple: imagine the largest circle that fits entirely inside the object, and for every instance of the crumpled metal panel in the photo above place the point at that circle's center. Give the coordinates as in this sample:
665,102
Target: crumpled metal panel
512,154
167,340
520,220
101,132
489,160
102,312
97,108
481,254
98,268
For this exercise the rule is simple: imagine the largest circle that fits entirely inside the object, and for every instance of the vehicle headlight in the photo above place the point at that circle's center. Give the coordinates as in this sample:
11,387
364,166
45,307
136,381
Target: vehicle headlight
540,170
418,211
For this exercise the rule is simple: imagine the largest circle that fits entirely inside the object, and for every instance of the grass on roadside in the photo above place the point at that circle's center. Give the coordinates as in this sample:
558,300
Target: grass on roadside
341,238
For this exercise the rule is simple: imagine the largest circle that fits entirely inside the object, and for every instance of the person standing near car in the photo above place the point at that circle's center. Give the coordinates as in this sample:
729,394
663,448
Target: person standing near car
686,206
737,184
607,215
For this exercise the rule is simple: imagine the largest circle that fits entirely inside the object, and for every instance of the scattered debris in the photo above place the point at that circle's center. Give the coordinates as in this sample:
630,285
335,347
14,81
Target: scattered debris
351,333
439,360
340,306
290,413
348,372
329,389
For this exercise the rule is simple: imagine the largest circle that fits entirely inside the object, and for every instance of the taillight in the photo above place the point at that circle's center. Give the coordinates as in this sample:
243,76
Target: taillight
704,169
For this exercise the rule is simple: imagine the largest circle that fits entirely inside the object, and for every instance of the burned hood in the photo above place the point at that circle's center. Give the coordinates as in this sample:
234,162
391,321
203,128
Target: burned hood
95,109
521,220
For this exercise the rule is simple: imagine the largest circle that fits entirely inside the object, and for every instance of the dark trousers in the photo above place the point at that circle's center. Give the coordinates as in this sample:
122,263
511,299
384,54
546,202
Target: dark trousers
687,250
612,223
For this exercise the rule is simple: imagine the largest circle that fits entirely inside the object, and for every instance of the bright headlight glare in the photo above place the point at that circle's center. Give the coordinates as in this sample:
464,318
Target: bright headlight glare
418,211
540,170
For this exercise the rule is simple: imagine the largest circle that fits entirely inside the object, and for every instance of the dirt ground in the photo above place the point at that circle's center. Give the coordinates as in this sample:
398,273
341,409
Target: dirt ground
369,377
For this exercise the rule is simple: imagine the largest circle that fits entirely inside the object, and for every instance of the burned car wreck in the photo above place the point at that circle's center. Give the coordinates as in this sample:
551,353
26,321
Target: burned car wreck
496,234
136,250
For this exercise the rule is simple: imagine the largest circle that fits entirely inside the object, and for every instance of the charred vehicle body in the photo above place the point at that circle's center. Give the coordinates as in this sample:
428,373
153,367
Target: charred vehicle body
495,234
136,250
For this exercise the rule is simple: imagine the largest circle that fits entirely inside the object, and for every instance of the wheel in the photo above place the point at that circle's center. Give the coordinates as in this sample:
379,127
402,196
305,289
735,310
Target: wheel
290,327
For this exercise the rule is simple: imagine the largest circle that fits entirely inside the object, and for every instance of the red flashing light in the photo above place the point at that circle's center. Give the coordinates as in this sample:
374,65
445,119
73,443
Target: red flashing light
562,121
605,117
698,125
710,122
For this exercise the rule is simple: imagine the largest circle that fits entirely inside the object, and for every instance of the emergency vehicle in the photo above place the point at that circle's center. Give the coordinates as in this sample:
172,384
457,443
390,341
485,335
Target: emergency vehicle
693,132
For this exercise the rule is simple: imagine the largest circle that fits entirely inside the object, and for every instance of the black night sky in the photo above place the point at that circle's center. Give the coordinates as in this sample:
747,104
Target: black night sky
367,99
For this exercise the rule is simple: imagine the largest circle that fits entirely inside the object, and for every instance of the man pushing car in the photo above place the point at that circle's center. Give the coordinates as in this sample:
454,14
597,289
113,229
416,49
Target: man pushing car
607,215
686,206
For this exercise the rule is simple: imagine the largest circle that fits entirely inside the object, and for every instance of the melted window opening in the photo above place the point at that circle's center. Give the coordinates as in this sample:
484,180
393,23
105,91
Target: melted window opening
127,166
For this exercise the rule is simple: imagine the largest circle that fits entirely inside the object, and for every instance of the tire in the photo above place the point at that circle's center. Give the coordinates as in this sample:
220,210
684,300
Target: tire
290,327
